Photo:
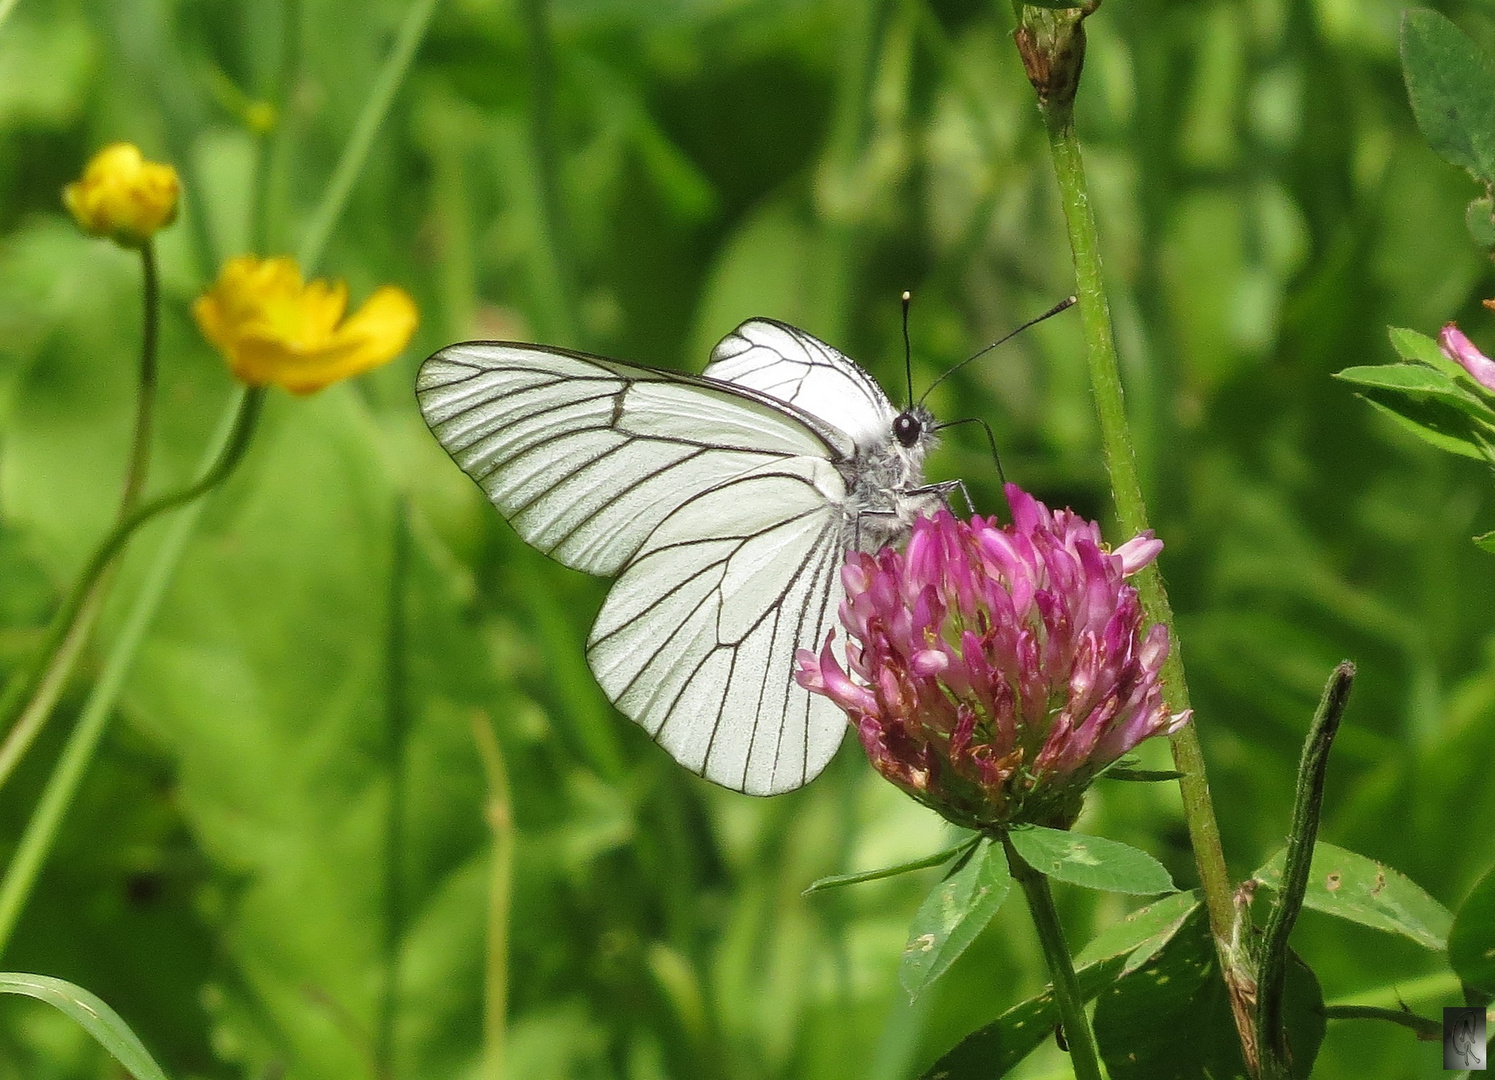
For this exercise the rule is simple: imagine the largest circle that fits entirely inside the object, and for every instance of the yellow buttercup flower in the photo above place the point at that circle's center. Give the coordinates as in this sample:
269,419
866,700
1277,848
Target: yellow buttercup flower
276,329
123,196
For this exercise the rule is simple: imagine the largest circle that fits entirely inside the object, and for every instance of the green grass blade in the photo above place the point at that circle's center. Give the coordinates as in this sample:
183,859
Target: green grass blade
350,165
95,1017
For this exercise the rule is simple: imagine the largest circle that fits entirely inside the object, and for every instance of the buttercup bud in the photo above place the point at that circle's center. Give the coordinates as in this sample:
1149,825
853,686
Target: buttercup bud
123,196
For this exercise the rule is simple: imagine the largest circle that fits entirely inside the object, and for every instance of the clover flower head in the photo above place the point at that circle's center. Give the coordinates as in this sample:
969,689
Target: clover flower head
123,196
276,329
993,671
1461,351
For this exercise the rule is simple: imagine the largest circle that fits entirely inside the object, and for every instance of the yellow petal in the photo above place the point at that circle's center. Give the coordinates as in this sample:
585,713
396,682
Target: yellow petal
385,323
273,328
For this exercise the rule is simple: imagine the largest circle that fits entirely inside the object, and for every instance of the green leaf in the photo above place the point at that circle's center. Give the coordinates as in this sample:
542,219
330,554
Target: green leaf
1410,345
1471,942
1487,542
1090,861
1140,935
838,880
1479,219
95,1017
1352,887
1451,83
1437,425
952,915
994,1049
1405,378
1170,1019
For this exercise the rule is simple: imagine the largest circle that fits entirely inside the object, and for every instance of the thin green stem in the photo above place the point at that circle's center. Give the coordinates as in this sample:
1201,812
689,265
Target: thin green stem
1271,980
555,247
500,894
1070,1000
30,696
1425,1028
274,143
145,401
838,880
396,725
1131,509
62,785
355,154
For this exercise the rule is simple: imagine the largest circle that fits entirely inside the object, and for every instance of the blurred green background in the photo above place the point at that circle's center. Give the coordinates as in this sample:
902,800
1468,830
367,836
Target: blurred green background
279,865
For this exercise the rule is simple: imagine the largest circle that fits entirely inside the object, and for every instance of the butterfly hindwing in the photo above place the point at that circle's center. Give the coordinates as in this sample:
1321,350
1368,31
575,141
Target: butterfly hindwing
696,641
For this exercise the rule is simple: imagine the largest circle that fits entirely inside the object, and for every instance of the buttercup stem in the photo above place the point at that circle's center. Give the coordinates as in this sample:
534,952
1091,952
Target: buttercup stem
1083,1056
29,698
1131,509
41,830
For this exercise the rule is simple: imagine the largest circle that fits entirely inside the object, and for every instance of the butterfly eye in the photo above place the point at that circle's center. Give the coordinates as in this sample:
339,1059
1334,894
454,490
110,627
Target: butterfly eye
907,429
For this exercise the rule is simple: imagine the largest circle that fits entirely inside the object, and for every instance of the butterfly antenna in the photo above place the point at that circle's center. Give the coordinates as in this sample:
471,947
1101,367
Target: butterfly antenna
1067,302
908,352
991,440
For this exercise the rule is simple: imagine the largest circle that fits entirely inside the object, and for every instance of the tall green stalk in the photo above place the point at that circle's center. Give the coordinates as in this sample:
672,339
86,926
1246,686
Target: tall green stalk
557,292
396,728
1053,50
500,898
355,154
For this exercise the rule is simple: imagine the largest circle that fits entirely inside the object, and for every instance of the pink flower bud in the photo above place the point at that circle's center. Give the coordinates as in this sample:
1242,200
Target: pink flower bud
1461,350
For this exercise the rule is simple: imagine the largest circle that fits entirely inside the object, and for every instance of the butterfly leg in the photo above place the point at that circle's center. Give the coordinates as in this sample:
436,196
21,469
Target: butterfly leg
943,490
857,530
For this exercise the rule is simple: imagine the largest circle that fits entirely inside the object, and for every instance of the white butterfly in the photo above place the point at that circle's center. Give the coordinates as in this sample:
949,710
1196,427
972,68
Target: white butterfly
723,503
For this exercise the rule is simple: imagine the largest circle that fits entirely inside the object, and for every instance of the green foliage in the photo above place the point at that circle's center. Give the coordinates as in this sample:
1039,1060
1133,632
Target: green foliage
91,1014
226,879
953,914
1451,82
1092,862
1352,887
1430,396
1170,1018
999,1046
1471,942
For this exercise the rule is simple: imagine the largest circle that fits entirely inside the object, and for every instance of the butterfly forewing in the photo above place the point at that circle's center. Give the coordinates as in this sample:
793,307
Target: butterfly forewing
585,456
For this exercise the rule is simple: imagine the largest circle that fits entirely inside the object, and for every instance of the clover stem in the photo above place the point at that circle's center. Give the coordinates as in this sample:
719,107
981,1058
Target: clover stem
1070,1000
1131,508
